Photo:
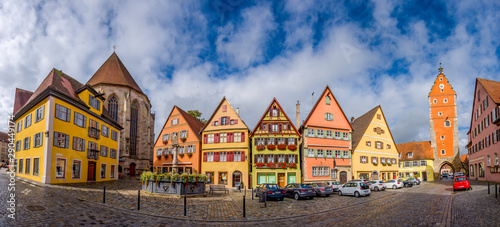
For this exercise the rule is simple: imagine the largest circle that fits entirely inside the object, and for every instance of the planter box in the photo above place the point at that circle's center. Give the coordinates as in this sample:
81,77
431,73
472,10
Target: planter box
177,188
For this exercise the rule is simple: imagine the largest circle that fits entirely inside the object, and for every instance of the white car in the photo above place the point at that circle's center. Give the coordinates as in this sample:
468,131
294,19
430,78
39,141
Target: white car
355,188
377,185
394,184
334,184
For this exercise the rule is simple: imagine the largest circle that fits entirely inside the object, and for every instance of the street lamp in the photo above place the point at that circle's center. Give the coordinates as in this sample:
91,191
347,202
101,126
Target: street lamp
175,146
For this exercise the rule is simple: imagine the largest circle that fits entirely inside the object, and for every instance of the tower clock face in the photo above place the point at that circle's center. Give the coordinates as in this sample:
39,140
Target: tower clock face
441,86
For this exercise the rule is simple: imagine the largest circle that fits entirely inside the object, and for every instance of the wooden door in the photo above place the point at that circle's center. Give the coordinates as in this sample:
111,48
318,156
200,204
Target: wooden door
343,177
424,176
281,180
132,169
91,172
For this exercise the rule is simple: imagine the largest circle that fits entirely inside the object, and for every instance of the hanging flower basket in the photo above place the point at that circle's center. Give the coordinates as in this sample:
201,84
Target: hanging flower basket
183,139
181,155
271,147
281,146
271,164
292,165
165,141
292,147
260,147
259,164
189,154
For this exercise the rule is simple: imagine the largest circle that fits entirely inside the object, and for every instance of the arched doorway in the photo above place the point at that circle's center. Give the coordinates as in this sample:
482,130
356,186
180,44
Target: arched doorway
374,175
236,178
132,169
446,168
343,177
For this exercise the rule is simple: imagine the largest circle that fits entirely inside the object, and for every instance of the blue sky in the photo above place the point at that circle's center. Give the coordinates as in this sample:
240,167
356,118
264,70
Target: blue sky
192,53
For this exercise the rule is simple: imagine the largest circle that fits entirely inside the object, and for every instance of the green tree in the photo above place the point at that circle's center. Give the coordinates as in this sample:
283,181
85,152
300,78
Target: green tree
197,114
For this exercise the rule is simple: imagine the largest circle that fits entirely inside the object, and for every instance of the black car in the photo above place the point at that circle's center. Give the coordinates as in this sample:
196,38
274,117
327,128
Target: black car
321,189
297,191
407,184
273,191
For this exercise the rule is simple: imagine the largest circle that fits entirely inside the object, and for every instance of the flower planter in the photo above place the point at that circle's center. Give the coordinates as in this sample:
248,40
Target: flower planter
165,141
281,146
260,147
177,187
292,147
183,139
271,147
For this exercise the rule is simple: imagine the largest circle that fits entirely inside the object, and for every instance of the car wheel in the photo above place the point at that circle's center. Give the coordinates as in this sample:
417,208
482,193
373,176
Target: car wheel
394,187
340,193
376,189
296,196
356,194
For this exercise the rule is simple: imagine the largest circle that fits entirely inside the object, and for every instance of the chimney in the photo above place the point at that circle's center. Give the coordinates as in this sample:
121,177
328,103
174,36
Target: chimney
352,119
238,111
298,114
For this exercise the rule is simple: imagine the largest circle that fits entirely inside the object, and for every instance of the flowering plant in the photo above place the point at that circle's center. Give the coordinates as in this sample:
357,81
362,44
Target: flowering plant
281,146
183,139
181,155
270,164
165,141
189,154
281,164
260,147
271,147
259,164
292,147
292,165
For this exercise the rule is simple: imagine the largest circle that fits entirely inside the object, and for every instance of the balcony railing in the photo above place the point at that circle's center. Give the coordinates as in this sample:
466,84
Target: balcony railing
94,132
93,154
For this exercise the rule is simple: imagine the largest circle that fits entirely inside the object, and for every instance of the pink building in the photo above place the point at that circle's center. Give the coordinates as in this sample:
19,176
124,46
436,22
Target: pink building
484,133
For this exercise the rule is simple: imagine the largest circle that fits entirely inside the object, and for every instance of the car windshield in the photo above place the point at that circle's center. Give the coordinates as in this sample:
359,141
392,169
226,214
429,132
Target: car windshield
460,179
322,184
305,186
336,183
273,186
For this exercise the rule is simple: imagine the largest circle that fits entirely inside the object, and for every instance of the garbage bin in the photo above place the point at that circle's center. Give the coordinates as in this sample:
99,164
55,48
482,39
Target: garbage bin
262,197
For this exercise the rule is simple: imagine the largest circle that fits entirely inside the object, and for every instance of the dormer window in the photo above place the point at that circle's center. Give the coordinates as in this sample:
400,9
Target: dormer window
94,102
410,154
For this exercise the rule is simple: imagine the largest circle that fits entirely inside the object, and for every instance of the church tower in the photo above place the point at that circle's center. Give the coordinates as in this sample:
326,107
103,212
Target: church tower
443,122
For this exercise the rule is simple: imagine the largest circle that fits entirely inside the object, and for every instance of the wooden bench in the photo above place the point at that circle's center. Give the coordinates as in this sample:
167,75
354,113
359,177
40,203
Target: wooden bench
218,187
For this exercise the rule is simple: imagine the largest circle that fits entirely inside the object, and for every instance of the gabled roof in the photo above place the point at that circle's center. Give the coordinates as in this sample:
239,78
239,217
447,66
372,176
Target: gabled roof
21,98
421,150
215,111
492,87
360,124
435,90
267,111
114,72
4,137
326,91
193,123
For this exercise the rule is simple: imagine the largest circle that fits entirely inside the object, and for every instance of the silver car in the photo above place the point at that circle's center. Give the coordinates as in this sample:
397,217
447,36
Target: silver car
334,184
377,185
355,188
394,184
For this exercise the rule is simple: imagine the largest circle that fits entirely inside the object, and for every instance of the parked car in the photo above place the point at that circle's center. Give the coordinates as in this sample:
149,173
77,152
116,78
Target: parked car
444,175
273,191
355,188
321,189
377,185
335,185
297,191
394,184
457,174
407,183
413,180
461,182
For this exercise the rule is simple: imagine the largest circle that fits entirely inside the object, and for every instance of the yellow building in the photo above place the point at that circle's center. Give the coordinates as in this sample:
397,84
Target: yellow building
64,134
225,147
416,160
375,155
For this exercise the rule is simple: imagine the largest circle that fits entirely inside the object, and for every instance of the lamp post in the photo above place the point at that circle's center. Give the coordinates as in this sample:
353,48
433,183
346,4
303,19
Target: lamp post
175,146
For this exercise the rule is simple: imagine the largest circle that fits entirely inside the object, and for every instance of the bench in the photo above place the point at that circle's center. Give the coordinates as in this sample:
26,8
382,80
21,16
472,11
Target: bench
218,187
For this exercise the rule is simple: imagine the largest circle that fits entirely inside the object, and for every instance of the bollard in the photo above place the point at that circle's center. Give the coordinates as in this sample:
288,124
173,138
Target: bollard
244,215
265,199
138,199
488,187
185,210
252,192
104,195
496,194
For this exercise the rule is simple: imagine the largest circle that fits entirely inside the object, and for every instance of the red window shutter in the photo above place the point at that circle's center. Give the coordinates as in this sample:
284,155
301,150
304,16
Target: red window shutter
205,138
216,156
242,136
224,108
278,110
269,127
228,120
216,137
212,123
279,127
243,156
205,156
235,121
230,156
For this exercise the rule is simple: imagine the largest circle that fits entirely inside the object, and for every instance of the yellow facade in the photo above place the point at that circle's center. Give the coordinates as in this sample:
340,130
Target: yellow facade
422,172
60,160
375,156
230,173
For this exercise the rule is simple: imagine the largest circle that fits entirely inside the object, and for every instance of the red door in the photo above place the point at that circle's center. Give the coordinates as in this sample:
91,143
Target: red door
91,172
132,169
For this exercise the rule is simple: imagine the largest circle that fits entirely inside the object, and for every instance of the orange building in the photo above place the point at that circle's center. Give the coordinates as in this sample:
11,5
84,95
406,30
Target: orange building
443,122
187,129
326,145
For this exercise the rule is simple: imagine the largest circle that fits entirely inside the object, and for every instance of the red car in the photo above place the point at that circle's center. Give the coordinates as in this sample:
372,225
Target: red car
461,182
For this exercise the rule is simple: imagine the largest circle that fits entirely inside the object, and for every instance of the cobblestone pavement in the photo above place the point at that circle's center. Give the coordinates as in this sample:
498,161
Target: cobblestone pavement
431,203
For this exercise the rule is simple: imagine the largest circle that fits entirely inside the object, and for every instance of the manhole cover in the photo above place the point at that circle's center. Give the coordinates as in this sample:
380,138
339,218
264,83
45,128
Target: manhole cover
36,208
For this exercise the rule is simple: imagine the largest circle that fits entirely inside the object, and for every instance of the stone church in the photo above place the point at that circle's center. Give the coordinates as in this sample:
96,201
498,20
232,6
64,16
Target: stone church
131,108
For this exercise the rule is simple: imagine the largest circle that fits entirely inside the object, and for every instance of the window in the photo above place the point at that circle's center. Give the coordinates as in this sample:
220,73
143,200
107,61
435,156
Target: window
291,158
281,158
274,128
485,103
489,160
223,121
260,158
40,112
222,137
210,177
78,144
75,173
364,159
94,102
36,166
184,134
80,120
275,112
237,156
447,123
496,158
210,156
21,165
190,148
112,153
18,145
291,141
27,121
281,140
61,140
310,132
443,152
315,171
320,153
320,133
328,134
410,154
388,146
28,166
487,120
60,168
104,151
63,113
423,163
237,137
374,160
329,116
94,129
415,163
327,100
231,122
15,165
326,171
103,171
270,158
440,113
434,101
368,143
345,136
113,107
407,164
222,156
346,154
445,100
442,137
174,121
333,173
210,138
181,150
104,131
378,145
223,178
114,135
92,145
216,123
27,143
165,137
112,172
394,161
19,126
337,154
270,141
329,154
310,153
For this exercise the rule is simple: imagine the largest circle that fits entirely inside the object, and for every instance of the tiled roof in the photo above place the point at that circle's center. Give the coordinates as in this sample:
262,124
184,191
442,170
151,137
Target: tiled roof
114,72
421,150
360,124
4,137
21,98
195,124
492,87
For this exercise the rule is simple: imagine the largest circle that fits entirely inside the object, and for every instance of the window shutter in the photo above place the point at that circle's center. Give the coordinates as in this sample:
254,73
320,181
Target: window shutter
205,156
230,156
216,156
295,140
255,141
269,127
67,141
286,159
187,131
275,158
43,111
68,116
278,111
242,155
212,123
235,121
205,139
360,159
228,120
232,136
326,116
315,133
220,120
260,126
279,127
242,136
216,137
254,157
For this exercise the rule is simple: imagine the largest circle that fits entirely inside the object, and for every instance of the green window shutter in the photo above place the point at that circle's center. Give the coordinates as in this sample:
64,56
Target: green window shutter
326,116
306,152
349,136
306,132
315,133
315,153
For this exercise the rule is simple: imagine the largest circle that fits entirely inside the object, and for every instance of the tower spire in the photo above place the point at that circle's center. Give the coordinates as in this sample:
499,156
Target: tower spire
440,69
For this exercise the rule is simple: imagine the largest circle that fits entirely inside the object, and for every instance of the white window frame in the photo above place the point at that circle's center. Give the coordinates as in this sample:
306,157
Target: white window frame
64,169
222,156
73,169
310,153
103,170
40,113
27,121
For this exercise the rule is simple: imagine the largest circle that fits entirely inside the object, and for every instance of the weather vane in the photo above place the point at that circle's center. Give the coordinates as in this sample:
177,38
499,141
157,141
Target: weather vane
114,48
440,68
